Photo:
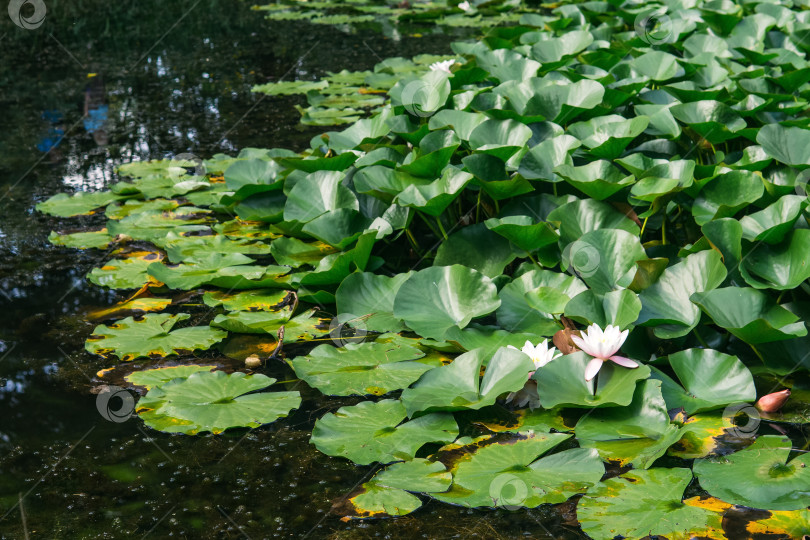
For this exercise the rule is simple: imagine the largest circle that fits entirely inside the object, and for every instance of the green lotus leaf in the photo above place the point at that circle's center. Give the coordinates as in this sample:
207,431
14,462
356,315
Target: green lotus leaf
605,259
711,120
237,228
662,123
435,197
556,298
369,432
167,186
775,221
462,122
128,207
562,382
303,327
423,95
505,65
579,217
551,51
710,380
598,179
620,308
154,226
657,65
490,338
790,524
286,88
666,304
539,162
789,145
516,313
613,507
524,232
255,300
228,270
81,240
500,138
214,401
294,252
385,183
749,314
250,176
165,167
334,268
78,204
151,336
370,297
180,248
151,378
432,155
510,472
436,299
360,368
476,247
638,434
559,101
759,476
318,193
456,386
725,235
128,273
726,195
607,136
338,228
387,493
783,266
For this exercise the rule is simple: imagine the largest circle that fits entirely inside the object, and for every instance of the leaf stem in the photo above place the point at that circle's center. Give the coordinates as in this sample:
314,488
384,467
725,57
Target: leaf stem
643,226
757,352
700,339
414,243
534,260
441,227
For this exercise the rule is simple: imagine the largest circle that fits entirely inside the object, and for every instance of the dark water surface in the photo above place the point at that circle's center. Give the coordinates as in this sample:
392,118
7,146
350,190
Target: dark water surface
171,78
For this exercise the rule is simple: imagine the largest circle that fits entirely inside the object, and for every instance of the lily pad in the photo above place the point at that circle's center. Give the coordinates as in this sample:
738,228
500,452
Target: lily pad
361,368
150,378
458,385
613,508
498,471
710,380
562,382
749,314
369,432
151,336
214,401
436,299
759,476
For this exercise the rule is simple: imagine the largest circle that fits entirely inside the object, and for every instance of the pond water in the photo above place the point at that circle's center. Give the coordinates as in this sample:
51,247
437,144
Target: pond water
158,79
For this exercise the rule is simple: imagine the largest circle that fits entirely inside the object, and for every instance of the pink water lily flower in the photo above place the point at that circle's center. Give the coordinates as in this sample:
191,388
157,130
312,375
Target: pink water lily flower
540,354
603,346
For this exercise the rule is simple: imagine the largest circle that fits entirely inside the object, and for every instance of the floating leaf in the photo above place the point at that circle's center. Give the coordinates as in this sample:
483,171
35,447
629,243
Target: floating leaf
458,385
128,273
710,380
151,336
150,378
436,299
614,508
214,401
369,432
759,476
499,471
562,382
360,368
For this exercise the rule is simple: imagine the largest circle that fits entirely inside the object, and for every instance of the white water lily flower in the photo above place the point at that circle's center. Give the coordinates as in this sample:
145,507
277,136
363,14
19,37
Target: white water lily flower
465,6
603,346
442,66
540,354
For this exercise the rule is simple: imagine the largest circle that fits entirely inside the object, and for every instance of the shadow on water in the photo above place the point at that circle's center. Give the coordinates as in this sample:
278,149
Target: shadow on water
96,85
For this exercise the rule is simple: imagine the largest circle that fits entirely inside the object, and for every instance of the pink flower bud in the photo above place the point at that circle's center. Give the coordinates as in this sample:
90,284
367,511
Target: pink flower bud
773,402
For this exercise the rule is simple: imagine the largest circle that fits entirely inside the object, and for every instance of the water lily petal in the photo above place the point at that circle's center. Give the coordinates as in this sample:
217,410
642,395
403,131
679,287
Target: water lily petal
622,361
593,368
